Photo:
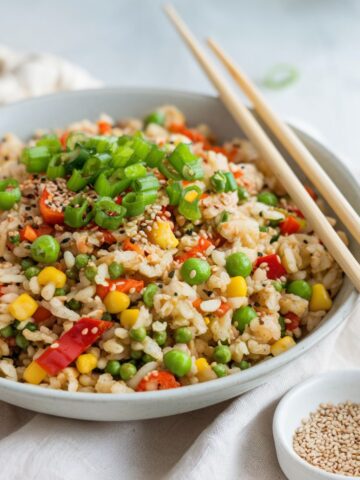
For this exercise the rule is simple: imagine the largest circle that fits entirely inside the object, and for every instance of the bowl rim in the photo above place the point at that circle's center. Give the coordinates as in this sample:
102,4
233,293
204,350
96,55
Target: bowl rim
260,370
295,391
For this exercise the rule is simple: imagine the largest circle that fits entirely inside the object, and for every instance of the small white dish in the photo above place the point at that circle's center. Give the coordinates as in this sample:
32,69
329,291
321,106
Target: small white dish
331,387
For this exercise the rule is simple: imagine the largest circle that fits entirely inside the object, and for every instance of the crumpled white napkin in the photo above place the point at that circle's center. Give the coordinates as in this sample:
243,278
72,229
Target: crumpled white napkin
25,75
227,441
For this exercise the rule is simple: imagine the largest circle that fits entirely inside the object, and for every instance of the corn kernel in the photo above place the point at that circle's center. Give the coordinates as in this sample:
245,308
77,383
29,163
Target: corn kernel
34,373
282,345
128,317
207,320
201,364
237,287
162,235
52,275
86,363
116,302
320,299
191,196
23,307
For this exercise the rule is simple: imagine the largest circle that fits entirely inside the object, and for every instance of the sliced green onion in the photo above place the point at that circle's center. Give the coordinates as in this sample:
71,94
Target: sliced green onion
55,168
76,139
122,155
135,202
186,163
141,148
50,141
174,193
108,214
218,181
167,170
155,117
190,209
281,76
231,185
145,183
77,182
78,212
9,193
154,157
75,159
108,186
36,159
135,171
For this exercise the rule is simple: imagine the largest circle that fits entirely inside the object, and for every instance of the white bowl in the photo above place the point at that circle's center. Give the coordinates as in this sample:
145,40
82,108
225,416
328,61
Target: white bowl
331,387
61,109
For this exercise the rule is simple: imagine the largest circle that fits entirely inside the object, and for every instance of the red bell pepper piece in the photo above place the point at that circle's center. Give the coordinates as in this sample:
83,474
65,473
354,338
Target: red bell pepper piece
224,307
41,314
311,192
289,225
49,215
28,233
120,285
200,248
69,346
157,381
274,267
294,321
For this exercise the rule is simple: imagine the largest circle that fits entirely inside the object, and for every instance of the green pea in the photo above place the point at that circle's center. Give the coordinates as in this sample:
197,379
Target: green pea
113,367
72,273
60,292
31,326
21,341
32,272
220,369
160,337
45,249
115,270
183,335
278,286
155,117
7,331
149,294
282,325
195,271
127,371
222,354
26,263
90,273
178,362
136,354
242,317
106,316
268,198
74,304
244,365
138,334
243,194
238,264
301,288
81,260
146,358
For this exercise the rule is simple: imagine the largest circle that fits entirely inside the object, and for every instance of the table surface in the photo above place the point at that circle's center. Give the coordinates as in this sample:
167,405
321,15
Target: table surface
130,42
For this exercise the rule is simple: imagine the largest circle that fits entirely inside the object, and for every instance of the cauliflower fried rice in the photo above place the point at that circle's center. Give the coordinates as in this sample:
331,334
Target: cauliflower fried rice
140,255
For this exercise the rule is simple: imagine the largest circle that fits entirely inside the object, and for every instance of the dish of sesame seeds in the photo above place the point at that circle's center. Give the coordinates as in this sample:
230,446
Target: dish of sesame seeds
142,255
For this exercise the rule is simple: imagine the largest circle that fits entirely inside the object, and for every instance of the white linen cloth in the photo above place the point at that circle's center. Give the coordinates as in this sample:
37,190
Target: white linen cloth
227,441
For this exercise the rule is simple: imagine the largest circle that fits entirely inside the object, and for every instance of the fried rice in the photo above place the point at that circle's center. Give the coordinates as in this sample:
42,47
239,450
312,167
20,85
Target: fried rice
207,272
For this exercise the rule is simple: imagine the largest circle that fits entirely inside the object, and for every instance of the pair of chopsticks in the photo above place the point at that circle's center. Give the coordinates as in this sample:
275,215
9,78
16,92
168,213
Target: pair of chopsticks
275,160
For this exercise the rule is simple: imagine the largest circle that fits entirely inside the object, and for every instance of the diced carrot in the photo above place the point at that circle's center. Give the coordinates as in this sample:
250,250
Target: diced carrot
156,380
311,192
196,303
49,215
63,139
294,321
28,233
200,248
224,307
289,225
120,285
192,135
104,127
129,245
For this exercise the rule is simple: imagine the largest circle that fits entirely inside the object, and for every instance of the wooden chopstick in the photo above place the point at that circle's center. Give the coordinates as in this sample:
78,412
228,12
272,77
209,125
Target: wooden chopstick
293,145
266,148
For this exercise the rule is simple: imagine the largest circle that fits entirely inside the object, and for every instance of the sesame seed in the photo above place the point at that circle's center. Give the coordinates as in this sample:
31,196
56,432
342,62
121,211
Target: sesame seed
85,331
192,274
94,330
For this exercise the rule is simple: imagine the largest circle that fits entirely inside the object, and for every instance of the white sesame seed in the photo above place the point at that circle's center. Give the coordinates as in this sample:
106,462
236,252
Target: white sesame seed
85,331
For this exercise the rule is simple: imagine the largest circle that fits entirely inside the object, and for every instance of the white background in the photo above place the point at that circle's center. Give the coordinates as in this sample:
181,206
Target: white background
130,42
